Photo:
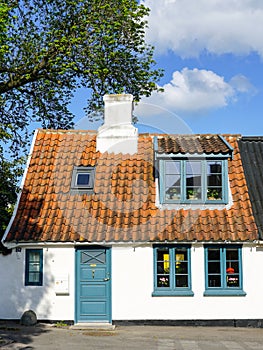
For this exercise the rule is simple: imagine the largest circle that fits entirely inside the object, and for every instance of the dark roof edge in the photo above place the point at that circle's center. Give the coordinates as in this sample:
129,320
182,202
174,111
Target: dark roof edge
231,149
252,138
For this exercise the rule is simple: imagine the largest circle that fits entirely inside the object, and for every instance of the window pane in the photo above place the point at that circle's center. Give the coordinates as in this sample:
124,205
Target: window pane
173,193
33,267
193,167
33,277
214,267
163,281
172,167
181,267
182,281
97,257
173,180
193,193
193,180
181,264
214,180
214,193
214,167
34,257
214,281
231,254
214,254
34,262
83,179
232,281
163,261
232,268
163,268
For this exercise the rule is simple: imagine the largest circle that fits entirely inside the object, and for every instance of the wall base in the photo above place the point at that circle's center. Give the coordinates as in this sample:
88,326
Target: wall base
252,323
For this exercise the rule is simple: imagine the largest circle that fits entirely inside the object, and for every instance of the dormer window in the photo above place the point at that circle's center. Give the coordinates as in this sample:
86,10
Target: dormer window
184,180
193,169
83,178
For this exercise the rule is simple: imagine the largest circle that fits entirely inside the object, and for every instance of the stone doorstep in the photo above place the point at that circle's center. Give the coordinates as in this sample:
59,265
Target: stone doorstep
93,325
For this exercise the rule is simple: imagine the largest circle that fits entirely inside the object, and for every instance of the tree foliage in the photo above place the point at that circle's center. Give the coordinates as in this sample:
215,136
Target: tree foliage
50,48
10,171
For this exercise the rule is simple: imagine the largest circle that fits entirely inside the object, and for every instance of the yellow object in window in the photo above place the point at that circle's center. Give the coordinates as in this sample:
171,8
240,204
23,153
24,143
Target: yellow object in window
166,262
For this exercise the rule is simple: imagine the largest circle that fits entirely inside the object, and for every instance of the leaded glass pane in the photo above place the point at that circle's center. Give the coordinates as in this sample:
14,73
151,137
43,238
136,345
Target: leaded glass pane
93,257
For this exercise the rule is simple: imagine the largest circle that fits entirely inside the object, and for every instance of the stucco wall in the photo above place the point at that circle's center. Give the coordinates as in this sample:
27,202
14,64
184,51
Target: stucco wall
16,297
132,286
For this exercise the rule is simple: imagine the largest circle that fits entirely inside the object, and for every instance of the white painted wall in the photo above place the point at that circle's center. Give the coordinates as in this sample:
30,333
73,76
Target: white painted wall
16,297
132,286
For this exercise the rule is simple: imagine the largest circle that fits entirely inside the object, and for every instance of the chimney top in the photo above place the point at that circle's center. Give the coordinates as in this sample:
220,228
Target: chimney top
117,134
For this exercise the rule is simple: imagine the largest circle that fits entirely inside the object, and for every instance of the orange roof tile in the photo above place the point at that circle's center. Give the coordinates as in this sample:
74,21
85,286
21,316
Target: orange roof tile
122,207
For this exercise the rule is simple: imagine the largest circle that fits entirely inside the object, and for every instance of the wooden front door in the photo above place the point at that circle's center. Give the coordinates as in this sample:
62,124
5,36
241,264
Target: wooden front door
93,284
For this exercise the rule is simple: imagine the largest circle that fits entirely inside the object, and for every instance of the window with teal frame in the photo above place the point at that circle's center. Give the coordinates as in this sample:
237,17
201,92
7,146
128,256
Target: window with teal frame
172,270
223,270
34,267
195,180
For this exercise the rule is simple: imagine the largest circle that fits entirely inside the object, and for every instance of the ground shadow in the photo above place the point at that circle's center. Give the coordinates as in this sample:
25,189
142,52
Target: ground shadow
13,335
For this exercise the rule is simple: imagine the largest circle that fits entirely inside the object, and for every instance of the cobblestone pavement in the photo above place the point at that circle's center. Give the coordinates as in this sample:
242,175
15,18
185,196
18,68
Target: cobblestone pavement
40,337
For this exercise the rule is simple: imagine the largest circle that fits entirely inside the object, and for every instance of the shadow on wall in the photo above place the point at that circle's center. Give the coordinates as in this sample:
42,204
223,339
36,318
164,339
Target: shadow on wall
16,297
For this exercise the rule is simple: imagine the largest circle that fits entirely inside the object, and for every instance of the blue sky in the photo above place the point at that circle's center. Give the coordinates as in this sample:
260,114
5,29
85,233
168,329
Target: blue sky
212,54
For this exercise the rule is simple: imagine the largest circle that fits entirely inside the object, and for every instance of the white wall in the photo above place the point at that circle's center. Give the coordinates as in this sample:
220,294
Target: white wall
132,287
16,297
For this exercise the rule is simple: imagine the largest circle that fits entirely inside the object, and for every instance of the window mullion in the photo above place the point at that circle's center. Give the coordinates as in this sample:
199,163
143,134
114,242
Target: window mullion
224,180
204,180
183,180
172,270
223,267
162,180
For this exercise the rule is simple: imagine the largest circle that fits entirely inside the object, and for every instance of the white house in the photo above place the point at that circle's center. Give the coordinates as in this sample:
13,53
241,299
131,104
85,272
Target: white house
115,226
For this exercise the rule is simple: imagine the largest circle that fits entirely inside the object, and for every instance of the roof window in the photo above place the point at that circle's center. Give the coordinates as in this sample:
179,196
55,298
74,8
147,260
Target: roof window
83,178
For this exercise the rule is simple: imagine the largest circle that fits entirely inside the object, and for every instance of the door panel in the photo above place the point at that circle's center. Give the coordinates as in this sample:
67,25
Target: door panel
93,285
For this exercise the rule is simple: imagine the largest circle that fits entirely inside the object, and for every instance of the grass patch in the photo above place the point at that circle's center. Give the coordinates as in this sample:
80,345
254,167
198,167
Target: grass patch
60,324
98,333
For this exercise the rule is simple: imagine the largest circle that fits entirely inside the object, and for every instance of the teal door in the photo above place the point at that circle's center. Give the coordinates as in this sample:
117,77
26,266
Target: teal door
93,284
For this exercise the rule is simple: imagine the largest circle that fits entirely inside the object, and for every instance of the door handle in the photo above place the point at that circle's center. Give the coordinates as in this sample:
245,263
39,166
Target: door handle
106,279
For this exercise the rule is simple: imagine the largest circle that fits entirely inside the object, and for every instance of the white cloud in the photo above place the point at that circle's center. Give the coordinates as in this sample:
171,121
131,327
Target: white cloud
195,91
241,84
188,27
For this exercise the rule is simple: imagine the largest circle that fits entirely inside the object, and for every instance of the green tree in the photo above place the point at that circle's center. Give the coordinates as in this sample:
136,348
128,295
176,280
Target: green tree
10,171
50,48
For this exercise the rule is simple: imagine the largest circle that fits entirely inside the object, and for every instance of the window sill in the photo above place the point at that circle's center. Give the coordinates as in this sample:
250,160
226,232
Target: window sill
197,201
172,293
225,292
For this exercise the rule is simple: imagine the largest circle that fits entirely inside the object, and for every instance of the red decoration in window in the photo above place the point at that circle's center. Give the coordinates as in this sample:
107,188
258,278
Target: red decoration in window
230,270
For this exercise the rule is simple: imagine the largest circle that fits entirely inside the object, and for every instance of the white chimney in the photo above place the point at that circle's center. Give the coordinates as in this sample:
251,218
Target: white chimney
117,134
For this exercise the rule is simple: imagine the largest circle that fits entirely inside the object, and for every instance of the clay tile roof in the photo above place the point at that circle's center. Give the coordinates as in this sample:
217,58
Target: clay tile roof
122,206
201,144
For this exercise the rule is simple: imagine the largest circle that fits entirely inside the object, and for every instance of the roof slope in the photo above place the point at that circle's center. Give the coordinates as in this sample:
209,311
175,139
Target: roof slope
251,149
122,207
200,144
